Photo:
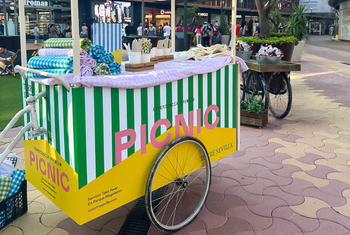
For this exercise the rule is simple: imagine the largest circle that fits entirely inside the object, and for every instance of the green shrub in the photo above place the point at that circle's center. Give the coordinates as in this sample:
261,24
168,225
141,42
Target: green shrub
270,40
273,34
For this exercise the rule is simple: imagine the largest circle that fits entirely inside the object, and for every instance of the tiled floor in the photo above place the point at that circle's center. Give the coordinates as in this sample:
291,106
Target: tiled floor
291,177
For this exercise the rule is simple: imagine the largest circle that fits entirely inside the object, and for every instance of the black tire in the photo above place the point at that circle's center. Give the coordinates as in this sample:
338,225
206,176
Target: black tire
280,95
254,83
179,204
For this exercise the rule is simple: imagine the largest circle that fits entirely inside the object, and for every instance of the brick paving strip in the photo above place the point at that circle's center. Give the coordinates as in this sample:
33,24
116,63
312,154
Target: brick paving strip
291,177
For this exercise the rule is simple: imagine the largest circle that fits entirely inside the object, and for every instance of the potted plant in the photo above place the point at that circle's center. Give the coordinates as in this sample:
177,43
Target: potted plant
269,55
286,44
244,50
299,29
225,37
253,112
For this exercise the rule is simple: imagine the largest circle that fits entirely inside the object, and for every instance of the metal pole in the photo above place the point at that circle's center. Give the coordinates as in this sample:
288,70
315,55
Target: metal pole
185,26
75,37
22,29
222,6
143,17
16,16
173,25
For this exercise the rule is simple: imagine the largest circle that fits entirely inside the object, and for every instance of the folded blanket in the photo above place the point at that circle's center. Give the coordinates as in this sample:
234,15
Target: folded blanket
115,68
89,62
17,178
5,183
101,69
84,43
108,58
52,62
86,71
97,51
57,71
61,52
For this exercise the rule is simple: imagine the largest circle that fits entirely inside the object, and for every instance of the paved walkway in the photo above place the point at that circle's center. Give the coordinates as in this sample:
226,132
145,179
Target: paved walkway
291,177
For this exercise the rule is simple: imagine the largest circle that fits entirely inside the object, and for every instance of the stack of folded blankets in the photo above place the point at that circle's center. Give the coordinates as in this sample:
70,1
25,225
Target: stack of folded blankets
57,57
10,179
105,61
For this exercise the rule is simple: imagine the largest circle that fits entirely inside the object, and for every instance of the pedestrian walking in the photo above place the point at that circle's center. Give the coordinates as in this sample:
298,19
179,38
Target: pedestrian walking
198,34
205,33
36,34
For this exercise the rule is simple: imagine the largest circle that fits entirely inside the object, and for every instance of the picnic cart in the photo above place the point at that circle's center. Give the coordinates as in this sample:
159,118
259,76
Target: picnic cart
91,149
271,83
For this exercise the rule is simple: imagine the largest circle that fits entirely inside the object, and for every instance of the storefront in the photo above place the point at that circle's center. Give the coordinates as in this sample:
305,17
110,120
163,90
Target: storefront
344,20
113,12
42,13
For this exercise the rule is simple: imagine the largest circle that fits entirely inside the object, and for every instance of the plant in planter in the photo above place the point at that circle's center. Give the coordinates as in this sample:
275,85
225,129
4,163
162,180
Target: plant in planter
299,29
269,55
253,112
286,44
224,29
244,50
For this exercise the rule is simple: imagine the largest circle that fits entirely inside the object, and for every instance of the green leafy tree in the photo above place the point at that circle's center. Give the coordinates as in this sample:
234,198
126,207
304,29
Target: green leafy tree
276,19
264,7
223,24
298,21
191,13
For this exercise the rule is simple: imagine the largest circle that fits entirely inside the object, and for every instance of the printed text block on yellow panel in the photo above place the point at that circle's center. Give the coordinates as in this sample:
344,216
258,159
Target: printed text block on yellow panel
125,182
52,175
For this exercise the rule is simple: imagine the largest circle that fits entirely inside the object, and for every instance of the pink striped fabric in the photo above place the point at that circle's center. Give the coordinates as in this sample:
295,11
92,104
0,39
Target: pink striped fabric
86,71
164,72
89,62
61,52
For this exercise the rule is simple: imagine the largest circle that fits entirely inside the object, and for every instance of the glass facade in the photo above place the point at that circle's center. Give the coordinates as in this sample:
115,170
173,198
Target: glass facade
42,13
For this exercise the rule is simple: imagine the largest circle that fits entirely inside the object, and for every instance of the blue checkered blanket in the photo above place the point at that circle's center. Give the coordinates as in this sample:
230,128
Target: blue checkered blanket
55,62
115,68
17,178
56,71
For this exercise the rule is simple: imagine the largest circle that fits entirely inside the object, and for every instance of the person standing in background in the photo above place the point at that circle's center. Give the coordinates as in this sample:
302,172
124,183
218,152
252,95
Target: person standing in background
139,30
67,32
215,34
179,28
167,30
243,23
128,29
205,33
238,27
84,31
211,35
198,34
53,31
257,30
36,34
152,31
160,31
248,30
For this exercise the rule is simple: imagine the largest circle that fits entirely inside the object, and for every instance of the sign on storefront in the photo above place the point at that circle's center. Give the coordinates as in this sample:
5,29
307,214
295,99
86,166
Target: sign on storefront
36,3
202,14
164,12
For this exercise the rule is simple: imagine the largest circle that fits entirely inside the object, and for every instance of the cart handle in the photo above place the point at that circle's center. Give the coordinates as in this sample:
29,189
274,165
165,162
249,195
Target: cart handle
58,77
